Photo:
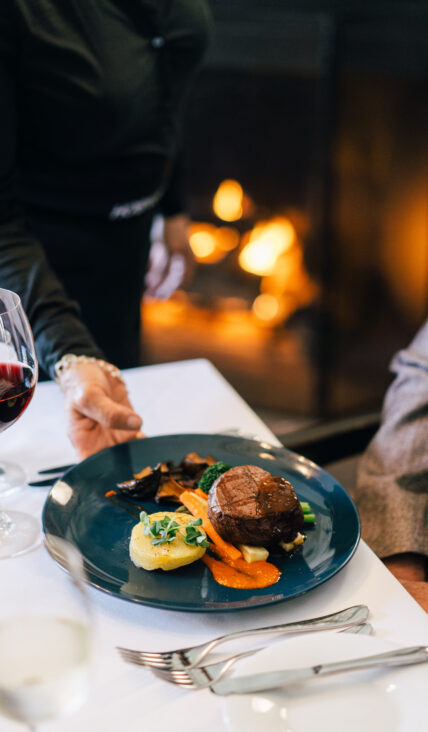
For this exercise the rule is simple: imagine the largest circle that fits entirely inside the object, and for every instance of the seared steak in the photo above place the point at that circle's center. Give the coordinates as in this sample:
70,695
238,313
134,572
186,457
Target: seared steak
248,505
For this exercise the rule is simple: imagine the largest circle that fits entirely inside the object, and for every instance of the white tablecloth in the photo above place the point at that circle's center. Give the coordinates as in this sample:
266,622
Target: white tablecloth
189,396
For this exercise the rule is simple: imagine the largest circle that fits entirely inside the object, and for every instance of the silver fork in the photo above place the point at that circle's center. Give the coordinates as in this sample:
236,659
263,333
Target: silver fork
184,658
204,676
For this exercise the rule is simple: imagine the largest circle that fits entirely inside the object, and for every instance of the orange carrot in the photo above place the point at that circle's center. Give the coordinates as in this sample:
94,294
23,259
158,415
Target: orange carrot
196,506
109,493
201,494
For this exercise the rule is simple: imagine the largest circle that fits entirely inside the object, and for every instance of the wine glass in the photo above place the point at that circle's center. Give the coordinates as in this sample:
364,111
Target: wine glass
19,531
45,647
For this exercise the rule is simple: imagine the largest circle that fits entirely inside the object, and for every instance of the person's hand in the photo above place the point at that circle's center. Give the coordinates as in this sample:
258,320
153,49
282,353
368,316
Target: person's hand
97,409
171,263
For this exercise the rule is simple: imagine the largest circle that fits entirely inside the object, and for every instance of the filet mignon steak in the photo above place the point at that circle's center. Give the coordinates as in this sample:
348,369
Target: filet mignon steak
248,505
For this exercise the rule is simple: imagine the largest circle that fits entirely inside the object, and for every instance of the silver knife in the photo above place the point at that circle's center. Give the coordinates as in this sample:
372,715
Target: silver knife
275,679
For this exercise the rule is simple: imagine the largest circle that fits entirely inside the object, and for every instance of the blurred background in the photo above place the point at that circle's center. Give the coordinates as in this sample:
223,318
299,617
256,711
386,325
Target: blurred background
306,154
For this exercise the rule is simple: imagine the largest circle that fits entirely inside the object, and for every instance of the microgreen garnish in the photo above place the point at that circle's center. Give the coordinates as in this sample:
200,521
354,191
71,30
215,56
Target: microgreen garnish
193,536
164,530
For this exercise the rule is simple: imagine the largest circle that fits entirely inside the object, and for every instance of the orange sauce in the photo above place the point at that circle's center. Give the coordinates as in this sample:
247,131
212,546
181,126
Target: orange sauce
242,575
237,572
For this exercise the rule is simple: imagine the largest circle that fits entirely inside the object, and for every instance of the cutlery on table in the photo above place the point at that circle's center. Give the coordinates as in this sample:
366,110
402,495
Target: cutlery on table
201,677
275,679
53,474
185,658
57,469
45,483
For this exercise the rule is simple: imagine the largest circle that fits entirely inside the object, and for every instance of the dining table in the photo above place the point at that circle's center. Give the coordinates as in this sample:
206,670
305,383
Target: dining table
174,398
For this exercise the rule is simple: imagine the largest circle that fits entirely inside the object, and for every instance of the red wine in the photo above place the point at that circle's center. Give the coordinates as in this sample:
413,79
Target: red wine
16,389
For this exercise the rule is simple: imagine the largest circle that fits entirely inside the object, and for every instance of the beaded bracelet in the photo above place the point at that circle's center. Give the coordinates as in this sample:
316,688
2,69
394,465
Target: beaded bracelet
69,359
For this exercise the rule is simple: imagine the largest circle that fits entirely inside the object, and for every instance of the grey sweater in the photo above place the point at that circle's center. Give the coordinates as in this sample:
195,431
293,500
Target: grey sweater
392,483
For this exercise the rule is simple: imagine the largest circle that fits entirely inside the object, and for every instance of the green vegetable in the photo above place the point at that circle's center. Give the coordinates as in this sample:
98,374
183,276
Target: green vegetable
211,474
308,516
164,531
194,537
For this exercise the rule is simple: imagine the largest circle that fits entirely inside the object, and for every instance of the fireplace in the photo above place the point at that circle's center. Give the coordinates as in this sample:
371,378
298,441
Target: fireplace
306,166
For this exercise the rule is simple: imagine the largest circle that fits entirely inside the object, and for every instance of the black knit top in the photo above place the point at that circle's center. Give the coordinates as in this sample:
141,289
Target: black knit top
91,94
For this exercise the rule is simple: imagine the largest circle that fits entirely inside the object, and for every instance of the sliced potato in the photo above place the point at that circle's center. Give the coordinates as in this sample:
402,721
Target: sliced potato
288,546
253,553
164,556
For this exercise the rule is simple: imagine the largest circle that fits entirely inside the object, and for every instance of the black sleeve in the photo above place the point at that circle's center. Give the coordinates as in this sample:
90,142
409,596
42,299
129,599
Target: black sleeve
173,201
54,318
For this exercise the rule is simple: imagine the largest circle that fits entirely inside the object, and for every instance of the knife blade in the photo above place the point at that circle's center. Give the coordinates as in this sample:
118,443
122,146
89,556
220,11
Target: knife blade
57,469
274,679
45,482
52,475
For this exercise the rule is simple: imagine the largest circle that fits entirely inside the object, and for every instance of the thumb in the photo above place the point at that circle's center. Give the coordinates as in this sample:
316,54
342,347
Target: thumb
109,413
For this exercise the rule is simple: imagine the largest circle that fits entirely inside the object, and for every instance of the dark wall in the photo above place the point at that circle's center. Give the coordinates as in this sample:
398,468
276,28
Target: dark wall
323,107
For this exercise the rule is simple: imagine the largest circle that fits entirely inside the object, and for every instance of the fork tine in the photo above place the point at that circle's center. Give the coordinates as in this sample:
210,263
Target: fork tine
156,664
196,678
172,674
184,680
147,654
129,659
139,654
142,659
179,658
175,673
141,662
149,660
155,659
132,657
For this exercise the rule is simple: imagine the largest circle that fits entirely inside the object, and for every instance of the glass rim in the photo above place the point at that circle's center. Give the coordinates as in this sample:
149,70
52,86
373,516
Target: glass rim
16,299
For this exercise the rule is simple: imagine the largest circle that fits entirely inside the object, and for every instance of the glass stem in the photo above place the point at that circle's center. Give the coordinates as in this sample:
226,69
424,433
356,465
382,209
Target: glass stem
6,524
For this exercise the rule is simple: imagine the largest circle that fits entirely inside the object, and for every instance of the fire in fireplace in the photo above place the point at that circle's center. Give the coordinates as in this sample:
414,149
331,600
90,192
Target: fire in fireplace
307,162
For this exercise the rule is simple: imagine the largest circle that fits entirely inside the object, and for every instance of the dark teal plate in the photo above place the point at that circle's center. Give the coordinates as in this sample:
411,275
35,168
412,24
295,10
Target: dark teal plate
76,509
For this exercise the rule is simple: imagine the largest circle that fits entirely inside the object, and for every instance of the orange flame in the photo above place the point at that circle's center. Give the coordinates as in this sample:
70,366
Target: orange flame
228,201
266,243
210,243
